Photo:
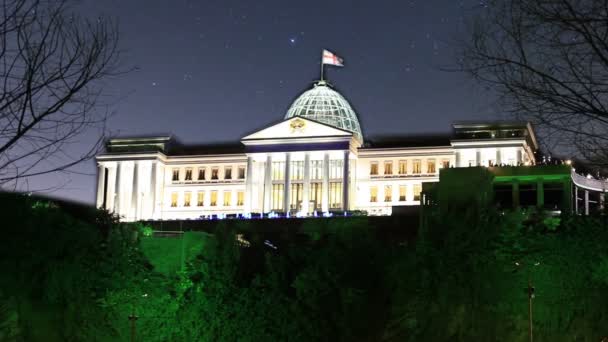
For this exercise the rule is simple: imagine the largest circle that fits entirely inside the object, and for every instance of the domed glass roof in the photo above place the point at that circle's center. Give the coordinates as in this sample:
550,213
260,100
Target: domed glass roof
323,104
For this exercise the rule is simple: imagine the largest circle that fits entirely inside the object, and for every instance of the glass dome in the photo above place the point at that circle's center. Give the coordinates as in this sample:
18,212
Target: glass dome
323,104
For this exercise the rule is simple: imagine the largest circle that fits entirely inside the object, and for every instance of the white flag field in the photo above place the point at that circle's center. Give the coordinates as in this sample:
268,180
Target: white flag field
332,59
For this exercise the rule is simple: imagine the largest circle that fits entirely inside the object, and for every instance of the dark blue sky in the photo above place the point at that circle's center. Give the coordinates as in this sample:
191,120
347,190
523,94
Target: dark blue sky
214,70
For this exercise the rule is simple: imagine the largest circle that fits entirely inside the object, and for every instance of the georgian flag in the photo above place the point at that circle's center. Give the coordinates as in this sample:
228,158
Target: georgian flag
331,59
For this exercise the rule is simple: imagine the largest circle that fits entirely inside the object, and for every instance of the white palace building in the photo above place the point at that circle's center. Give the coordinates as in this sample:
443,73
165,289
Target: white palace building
313,162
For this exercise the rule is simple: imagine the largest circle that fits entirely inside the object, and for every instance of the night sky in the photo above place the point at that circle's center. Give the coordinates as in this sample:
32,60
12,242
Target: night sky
209,71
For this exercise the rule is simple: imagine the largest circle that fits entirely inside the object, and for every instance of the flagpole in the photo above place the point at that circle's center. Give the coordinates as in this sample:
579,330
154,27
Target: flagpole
321,67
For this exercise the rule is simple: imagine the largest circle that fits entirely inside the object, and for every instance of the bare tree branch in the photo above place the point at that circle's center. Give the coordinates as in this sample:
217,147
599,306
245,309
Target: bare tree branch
52,64
548,62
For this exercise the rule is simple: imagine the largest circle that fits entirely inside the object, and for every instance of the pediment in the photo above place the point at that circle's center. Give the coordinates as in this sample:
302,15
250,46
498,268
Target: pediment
297,127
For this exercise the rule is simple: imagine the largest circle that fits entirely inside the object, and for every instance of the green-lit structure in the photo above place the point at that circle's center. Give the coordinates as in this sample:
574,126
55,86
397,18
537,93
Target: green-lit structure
548,187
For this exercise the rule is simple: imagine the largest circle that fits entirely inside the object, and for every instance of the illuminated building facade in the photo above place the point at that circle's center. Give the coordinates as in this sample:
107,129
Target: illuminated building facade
314,161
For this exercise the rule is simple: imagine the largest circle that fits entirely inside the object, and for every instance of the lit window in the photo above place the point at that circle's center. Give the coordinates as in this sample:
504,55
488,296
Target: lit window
373,194
227,198
388,168
188,174
373,168
417,169
213,201
297,170
417,190
403,167
402,193
277,196
430,166
335,169
174,199
187,197
335,195
200,199
227,172
240,198
446,163
316,193
201,173
278,170
214,173
316,169
296,193
241,172
388,193
175,175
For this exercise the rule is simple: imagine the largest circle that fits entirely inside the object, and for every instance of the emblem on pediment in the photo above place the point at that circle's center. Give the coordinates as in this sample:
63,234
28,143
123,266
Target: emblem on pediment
297,125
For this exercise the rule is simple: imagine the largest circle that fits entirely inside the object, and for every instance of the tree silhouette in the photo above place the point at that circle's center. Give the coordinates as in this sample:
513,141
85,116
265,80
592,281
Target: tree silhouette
52,64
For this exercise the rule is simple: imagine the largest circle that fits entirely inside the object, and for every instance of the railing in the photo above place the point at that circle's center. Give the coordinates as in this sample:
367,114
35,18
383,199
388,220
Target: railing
589,183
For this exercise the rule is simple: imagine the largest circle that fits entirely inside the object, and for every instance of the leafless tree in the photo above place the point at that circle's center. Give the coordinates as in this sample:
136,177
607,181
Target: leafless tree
548,62
52,65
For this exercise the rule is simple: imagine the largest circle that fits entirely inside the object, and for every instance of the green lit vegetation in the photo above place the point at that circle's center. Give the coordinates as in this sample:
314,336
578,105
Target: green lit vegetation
78,276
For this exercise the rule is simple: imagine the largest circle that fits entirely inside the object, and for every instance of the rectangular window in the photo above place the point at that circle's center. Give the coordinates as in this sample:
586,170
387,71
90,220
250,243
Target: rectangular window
430,166
200,199
316,169
241,172
215,173
213,201
388,168
201,173
373,194
174,199
296,193
175,176
188,174
240,198
227,198
417,168
445,163
297,170
403,167
335,195
402,193
316,193
373,168
187,198
417,190
335,169
388,193
278,171
277,196
228,172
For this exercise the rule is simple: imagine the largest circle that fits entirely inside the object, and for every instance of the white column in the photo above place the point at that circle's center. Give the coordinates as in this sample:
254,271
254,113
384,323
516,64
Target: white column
286,199
159,190
498,156
345,166
325,192
477,158
305,195
456,161
152,201
519,157
586,202
117,189
101,173
249,185
111,188
132,210
268,185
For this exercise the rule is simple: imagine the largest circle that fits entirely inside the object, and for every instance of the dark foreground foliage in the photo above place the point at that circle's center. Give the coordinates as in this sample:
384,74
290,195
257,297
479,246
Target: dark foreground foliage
67,277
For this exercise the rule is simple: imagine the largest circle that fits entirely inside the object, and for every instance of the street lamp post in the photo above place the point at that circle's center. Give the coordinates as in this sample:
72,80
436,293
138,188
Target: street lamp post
530,291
